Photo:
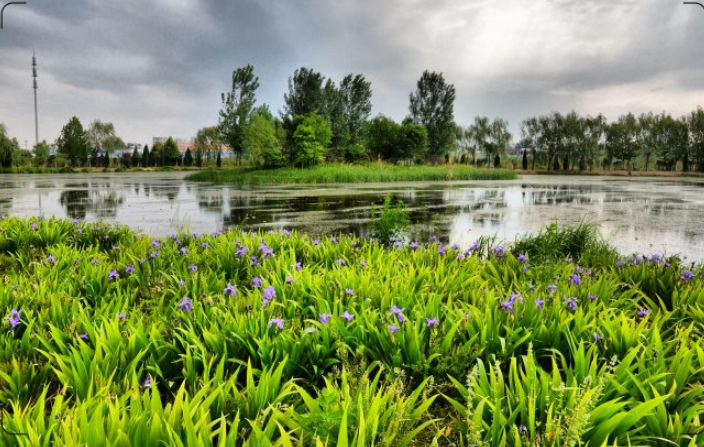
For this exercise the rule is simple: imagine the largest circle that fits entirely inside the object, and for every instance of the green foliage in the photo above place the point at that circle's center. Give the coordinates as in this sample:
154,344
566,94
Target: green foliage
261,142
188,158
237,106
442,346
170,154
41,153
389,224
432,105
7,147
390,141
311,139
73,143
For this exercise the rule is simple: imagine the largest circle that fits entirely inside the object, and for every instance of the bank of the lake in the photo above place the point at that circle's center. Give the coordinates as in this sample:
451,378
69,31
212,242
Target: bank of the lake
350,173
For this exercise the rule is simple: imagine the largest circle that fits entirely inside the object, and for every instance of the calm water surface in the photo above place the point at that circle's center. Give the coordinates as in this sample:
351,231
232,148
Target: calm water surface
635,214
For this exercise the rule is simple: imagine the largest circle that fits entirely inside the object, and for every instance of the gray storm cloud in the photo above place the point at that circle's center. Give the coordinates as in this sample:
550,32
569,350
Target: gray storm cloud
157,67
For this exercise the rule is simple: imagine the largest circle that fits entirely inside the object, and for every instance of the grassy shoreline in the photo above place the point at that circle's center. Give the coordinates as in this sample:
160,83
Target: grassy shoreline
350,173
277,339
88,170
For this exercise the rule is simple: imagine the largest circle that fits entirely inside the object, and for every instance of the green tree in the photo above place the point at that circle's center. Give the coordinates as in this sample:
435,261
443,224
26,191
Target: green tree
41,153
261,142
218,160
412,142
311,139
381,136
621,140
645,136
170,154
237,107
188,158
102,138
156,156
530,133
209,143
305,95
8,146
199,158
73,144
431,105
356,94
146,160
136,160
334,110
695,124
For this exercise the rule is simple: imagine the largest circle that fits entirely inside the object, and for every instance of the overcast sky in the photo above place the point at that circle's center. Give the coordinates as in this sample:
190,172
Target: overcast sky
157,67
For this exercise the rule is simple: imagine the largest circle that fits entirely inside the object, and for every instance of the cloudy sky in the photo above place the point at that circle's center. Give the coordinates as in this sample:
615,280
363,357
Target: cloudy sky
157,67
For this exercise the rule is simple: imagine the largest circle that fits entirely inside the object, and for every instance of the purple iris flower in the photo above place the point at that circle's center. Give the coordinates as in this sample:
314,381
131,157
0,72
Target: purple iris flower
475,246
121,315
432,238
638,260
655,257
430,322
324,318
499,251
347,316
398,244
341,262
686,275
278,322
147,382
575,279
287,233
508,305
240,253
14,318
455,246
539,302
316,242
461,256
76,222
289,280
205,245
441,250
256,281
156,244
298,266
642,313
34,227
571,303
551,288
113,275
181,282
129,269
255,261
269,293
52,259
185,305
154,254
597,336
83,336
398,312
230,290
193,268
620,263
266,251
522,258
592,296
393,328
116,248
414,245
349,291
333,240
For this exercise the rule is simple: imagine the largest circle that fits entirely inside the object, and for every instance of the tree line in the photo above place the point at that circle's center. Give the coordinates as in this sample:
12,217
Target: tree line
327,120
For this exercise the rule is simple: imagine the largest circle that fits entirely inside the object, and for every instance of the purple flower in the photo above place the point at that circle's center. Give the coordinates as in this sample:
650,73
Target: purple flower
333,240
287,233
316,242
432,238
269,293
347,316
141,261
592,296
298,266
620,263
393,328
240,253
230,290
83,336
154,254
15,286
571,303
539,302
475,245
341,262
34,227
205,245
575,279
113,275
289,280
642,313
398,244
14,318
455,246
655,257
186,305
266,251
147,382
398,312
116,248
522,258
349,291
193,268
461,256
129,269
324,318
75,221
568,259
508,306
278,322
441,250
121,315
551,288
79,230
51,259
430,322
525,268
499,251
255,261
686,275
414,245
256,281
597,336
173,237
156,244
181,282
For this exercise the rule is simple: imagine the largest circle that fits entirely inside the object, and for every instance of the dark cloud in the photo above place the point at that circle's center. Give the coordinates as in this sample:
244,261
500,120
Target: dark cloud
157,67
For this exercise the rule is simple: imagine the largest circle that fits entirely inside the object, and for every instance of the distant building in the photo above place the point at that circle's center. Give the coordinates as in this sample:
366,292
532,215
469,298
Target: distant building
185,144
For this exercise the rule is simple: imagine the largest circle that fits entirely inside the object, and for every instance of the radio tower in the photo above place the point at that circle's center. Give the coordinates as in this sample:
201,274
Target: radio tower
36,116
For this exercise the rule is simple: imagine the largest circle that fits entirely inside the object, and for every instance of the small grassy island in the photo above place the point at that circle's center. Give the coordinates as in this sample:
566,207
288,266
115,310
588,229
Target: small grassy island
239,338
351,173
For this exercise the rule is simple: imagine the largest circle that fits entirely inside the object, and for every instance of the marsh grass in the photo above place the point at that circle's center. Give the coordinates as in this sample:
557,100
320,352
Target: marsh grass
123,340
351,173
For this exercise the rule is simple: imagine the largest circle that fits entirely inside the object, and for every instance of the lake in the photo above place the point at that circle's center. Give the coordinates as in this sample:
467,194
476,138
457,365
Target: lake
636,214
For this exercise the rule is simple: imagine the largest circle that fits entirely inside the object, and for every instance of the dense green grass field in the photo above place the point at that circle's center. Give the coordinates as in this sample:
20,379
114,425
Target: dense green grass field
350,173
111,338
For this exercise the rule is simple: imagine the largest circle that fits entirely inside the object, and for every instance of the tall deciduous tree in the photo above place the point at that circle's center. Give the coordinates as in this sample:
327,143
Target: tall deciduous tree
72,142
432,105
237,107
208,142
102,138
356,94
311,139
170,154
8,146
695,123
41,153
261,142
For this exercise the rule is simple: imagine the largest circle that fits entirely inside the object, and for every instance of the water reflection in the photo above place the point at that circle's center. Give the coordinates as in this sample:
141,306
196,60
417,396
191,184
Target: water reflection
636,214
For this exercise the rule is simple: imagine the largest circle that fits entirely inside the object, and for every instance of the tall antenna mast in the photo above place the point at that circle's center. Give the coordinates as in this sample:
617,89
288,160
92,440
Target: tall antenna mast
36,116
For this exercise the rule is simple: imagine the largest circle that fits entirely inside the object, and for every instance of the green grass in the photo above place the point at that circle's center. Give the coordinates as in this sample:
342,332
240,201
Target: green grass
351,173
87,170
494,369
